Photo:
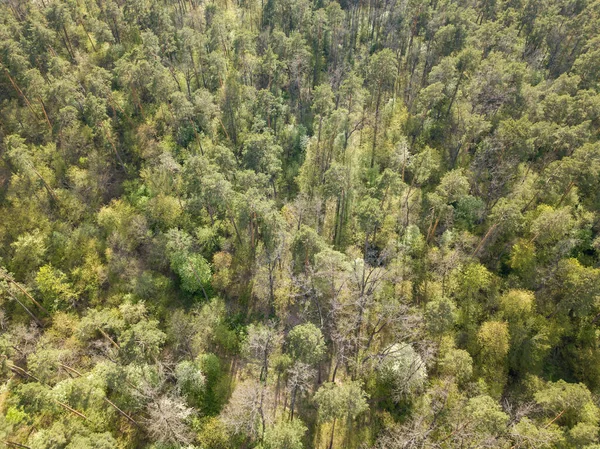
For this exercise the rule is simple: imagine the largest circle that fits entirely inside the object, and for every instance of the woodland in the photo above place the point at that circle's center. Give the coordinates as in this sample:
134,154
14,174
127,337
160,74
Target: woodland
297,224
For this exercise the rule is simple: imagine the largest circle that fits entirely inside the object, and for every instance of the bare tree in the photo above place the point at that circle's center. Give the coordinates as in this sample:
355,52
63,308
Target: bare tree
166,421
261,343
300,379
246,412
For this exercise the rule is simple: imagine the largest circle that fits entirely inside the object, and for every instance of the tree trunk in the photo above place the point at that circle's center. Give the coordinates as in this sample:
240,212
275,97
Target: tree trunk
375,128
332,434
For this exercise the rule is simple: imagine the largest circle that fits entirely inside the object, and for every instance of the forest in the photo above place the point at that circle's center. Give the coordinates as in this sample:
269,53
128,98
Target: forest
298,224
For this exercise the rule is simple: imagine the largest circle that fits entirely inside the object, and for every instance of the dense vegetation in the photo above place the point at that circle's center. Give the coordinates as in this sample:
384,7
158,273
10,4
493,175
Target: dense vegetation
296,224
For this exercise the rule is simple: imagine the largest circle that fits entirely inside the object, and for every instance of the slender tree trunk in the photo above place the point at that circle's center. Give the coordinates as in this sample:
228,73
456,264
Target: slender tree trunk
293,403
375,128
460,77
68,43
332,434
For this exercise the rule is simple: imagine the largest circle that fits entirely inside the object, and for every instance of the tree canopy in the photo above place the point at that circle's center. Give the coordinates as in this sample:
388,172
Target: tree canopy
287,224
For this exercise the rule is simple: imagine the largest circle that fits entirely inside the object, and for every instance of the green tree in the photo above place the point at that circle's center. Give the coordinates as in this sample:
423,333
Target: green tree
339,402
306,343
193,269
494,344
382,71
284,435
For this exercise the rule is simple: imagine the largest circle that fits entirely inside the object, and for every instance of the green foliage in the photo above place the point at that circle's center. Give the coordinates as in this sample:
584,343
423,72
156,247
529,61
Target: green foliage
404,369
242,224
487,415
213,434
573,401
339,401
440,315
305,246
284,435
142,341
56,291
190,380
216,389
457,363
306,343
29,250
193,269
494,344
544,436
517,304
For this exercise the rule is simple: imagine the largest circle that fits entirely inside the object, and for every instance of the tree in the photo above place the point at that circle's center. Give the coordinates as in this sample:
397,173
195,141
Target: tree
486,418
246,412
305,245
192,268
262,154
57,292
571,401
190,380
209,209
300,378
322,105
166,421
517,304
382,72
404,369
529,434
340,401
262,341
29,250
142,341
494,344
472,284
306,343
284,435
457,363
440,315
